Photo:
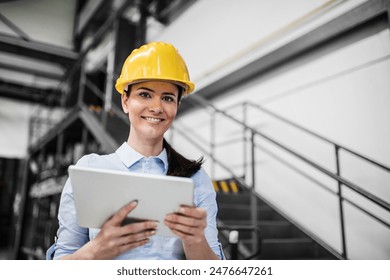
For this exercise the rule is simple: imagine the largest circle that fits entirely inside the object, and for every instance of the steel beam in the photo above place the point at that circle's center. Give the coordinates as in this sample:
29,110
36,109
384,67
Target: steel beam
37,50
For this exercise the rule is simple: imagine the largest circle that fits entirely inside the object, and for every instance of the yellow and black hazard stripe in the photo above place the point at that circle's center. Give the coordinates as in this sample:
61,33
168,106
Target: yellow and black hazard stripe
226,186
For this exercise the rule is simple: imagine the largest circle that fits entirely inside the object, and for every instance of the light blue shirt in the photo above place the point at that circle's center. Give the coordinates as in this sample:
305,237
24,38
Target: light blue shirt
70,236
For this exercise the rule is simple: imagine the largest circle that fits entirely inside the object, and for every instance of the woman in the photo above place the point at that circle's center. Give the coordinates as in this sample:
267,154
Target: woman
153,79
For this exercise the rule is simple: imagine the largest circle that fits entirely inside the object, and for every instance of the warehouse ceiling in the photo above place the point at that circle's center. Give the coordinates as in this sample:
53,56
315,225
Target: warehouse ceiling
40,40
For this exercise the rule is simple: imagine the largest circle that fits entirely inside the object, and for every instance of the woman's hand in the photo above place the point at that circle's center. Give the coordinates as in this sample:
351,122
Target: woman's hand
115,239
188,224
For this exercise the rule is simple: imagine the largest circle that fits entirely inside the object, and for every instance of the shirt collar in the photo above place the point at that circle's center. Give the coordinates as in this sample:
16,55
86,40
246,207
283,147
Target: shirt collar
129,156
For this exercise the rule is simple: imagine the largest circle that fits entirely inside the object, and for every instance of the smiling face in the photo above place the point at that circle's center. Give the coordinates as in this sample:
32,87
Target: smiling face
151,106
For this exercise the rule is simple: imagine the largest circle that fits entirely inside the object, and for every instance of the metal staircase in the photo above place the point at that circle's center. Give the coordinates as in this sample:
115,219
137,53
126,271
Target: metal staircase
278,237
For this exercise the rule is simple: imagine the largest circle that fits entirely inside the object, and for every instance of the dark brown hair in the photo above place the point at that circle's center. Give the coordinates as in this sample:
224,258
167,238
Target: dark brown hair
178,165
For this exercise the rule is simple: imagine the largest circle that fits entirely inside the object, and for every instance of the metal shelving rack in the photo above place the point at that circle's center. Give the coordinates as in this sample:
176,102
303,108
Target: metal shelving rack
90,115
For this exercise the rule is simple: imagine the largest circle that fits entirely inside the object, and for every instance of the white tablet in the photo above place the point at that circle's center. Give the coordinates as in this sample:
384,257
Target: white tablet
99,193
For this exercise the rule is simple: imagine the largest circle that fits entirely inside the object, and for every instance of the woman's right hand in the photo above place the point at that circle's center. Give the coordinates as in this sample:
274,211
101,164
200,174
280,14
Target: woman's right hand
115,238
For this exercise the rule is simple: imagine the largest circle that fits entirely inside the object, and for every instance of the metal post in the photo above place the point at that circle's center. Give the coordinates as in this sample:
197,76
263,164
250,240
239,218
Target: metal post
344,252
245,157
59,151
109,86
80,99
19,207
212,143
253,161
84,140
142,24
253,201
233,243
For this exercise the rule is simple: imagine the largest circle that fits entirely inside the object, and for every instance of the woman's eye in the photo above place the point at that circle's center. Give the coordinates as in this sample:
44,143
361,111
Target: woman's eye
168,99
144,94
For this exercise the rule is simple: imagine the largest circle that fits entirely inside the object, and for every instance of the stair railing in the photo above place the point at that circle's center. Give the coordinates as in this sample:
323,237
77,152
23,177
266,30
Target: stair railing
334,175
337,148
198,141
234,238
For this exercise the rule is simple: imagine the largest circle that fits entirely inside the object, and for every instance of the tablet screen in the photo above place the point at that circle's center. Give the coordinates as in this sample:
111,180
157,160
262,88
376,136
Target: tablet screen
99,193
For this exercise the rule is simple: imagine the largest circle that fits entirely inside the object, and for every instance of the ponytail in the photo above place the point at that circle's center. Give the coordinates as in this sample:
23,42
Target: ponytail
179,165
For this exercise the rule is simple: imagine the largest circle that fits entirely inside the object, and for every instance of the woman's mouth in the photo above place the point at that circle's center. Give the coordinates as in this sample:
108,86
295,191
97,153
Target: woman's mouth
152,120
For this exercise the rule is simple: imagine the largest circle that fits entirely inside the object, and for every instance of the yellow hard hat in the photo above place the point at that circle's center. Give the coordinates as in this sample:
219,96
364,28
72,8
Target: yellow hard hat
155,61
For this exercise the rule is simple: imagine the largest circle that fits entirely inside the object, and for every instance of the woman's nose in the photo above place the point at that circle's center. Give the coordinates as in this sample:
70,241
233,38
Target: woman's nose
155,107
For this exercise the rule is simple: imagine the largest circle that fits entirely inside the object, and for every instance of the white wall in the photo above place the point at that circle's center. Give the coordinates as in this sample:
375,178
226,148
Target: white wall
13,142
342,96
46,21
215,37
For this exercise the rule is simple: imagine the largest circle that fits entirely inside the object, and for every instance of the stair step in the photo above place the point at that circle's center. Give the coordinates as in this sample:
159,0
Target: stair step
280,239
269,229
229,186
279,229
234,198
243,212
290,248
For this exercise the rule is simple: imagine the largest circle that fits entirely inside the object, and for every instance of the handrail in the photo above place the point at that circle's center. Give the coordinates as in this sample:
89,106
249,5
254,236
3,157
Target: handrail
299,127
334,175
323,186
235,177
203,150
240,228
268,112
345,182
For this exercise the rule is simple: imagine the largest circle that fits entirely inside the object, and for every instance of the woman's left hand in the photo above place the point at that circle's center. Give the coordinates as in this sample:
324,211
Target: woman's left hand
188,224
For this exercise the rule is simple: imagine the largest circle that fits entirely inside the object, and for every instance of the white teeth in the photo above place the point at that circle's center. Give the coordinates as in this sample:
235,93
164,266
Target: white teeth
149,119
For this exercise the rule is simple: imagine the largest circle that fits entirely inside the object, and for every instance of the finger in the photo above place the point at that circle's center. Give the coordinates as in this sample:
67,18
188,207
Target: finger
129,246
134,238
181,235
122,213
184,220
195,212
188,230
138,227
185,237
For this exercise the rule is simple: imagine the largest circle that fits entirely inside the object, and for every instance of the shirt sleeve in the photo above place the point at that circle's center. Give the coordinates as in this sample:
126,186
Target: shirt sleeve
70,236
205,197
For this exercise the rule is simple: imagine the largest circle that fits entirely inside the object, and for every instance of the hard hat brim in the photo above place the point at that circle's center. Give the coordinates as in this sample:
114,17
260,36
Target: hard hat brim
187,86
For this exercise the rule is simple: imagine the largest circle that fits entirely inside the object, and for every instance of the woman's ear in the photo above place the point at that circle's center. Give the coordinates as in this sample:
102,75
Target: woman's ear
124,99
